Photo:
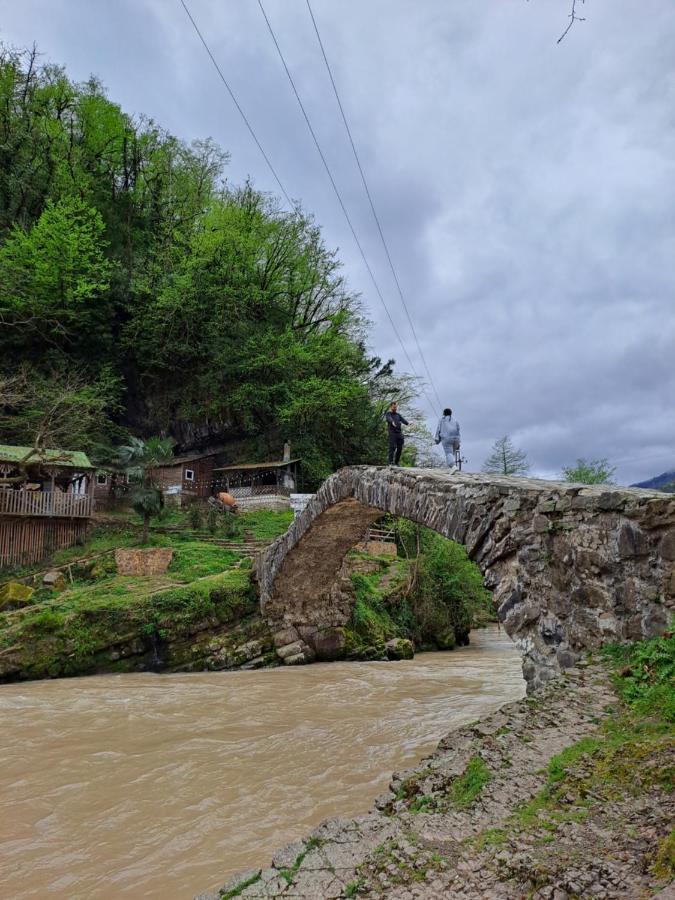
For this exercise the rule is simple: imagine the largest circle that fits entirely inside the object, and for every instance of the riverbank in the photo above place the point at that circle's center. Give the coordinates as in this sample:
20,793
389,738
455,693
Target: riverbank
566,794
202,613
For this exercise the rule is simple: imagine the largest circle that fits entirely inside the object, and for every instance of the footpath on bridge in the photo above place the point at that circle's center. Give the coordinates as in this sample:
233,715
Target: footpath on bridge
541,800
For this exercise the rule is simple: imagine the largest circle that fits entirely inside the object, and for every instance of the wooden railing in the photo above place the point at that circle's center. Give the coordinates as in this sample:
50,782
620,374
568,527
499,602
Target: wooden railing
380,533
45,503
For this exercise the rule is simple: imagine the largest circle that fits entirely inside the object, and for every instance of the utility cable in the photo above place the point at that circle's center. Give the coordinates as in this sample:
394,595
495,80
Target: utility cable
236,103
372,205
339,196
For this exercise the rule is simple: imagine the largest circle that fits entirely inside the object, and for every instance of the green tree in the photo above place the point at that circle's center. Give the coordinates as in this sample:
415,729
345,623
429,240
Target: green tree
141,459
590,471
124,256
446,593
506,459
53,280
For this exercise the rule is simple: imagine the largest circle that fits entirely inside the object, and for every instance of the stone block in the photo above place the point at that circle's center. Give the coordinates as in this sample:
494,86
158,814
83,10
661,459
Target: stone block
296,659
399,648
632,541
290,649
54,580
667,545
143,561
14,595
287,635
329,643
540,524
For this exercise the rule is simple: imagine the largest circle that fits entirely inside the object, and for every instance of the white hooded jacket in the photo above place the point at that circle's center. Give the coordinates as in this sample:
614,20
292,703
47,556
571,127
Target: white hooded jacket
447,431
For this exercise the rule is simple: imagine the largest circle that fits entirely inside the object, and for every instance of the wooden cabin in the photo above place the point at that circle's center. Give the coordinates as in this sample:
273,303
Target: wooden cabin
187,478
46,502
259,485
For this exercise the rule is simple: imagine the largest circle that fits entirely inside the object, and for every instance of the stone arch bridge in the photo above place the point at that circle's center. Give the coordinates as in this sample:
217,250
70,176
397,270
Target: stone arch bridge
570,566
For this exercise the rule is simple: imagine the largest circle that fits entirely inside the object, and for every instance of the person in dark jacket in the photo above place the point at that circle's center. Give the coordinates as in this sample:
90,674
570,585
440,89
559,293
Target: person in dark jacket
394,421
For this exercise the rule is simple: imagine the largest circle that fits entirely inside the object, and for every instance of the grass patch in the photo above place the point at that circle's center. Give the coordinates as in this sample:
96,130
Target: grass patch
265,524
239,889
289,874
559,765
355,887
468,786
371,623
664,864
197,559
645,674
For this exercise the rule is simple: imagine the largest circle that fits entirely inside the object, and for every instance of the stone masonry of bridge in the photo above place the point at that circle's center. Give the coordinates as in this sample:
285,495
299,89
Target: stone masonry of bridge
570,566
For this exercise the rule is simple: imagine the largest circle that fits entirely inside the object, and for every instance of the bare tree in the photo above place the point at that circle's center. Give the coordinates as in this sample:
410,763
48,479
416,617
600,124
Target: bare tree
47,414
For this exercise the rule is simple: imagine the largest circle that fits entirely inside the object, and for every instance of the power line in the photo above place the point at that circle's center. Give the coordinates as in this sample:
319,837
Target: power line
236,103
278,180
339,196
372,205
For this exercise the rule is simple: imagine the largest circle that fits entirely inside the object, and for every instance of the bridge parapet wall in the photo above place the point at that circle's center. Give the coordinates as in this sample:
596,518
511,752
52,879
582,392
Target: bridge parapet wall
571,566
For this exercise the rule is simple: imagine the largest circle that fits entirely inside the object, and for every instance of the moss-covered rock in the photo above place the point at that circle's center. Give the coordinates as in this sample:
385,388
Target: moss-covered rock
14,595
400,648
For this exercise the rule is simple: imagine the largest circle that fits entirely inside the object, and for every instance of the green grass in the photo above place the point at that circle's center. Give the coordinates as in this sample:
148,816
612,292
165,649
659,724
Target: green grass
63,635
560,764
60,634
644,675
289,874
664,863
468,786
353,888
196,559
265,524
239,889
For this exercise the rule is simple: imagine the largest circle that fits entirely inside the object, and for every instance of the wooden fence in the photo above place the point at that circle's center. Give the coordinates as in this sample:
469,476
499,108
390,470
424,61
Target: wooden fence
46,503
24,541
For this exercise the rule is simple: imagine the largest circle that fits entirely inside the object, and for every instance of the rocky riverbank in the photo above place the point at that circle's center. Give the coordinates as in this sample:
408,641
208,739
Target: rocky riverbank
566,794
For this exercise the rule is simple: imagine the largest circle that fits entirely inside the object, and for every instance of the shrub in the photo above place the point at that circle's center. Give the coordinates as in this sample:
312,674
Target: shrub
196,518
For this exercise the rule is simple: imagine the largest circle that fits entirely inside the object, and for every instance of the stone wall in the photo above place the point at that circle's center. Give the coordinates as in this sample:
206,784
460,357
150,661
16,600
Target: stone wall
571,566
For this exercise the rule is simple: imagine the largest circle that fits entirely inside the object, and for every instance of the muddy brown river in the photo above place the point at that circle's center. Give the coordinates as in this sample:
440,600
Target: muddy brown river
159,786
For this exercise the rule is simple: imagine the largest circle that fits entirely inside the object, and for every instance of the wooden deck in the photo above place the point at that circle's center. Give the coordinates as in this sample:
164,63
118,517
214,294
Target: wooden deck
46,503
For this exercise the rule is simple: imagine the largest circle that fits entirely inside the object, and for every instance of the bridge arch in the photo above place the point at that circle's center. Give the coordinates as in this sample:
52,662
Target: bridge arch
570,566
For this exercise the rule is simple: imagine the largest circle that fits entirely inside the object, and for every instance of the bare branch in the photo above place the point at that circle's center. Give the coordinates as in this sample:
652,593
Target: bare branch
573,17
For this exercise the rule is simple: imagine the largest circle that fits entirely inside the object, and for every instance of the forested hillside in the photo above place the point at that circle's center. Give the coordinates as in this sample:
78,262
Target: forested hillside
140,292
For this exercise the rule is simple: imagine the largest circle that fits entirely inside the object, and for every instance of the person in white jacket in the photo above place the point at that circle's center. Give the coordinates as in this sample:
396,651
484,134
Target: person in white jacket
447,434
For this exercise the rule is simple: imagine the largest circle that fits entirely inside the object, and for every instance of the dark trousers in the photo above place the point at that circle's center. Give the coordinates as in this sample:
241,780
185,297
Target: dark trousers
395,448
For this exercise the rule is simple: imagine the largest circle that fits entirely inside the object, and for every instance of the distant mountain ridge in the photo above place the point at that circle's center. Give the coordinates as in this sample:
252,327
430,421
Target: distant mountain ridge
659,482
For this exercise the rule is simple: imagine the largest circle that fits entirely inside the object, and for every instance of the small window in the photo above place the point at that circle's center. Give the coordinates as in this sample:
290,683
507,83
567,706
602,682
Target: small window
189,475
101,480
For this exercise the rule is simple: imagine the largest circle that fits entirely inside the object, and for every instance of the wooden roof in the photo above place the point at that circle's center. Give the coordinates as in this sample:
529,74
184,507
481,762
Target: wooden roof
63,459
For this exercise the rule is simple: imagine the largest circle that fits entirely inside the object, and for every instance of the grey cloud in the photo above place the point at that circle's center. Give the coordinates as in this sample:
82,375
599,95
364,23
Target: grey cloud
527,189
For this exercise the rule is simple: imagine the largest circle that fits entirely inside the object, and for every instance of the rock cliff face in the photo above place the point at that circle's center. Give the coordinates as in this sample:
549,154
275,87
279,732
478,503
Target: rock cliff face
571,566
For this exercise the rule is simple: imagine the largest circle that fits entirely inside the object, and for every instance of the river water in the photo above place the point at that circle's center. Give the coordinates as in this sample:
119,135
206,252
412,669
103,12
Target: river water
159,786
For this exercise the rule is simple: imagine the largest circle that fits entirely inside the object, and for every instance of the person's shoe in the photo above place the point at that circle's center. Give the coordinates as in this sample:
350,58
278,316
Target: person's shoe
453,469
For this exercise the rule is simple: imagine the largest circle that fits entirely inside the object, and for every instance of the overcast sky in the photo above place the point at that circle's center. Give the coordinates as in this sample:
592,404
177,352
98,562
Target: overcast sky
527,189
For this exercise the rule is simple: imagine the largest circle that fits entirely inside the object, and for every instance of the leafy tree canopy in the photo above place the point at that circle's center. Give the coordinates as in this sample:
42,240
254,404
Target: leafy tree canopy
187,306
590,471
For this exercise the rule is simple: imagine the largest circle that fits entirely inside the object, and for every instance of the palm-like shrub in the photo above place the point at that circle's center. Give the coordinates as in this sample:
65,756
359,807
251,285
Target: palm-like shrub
140,460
